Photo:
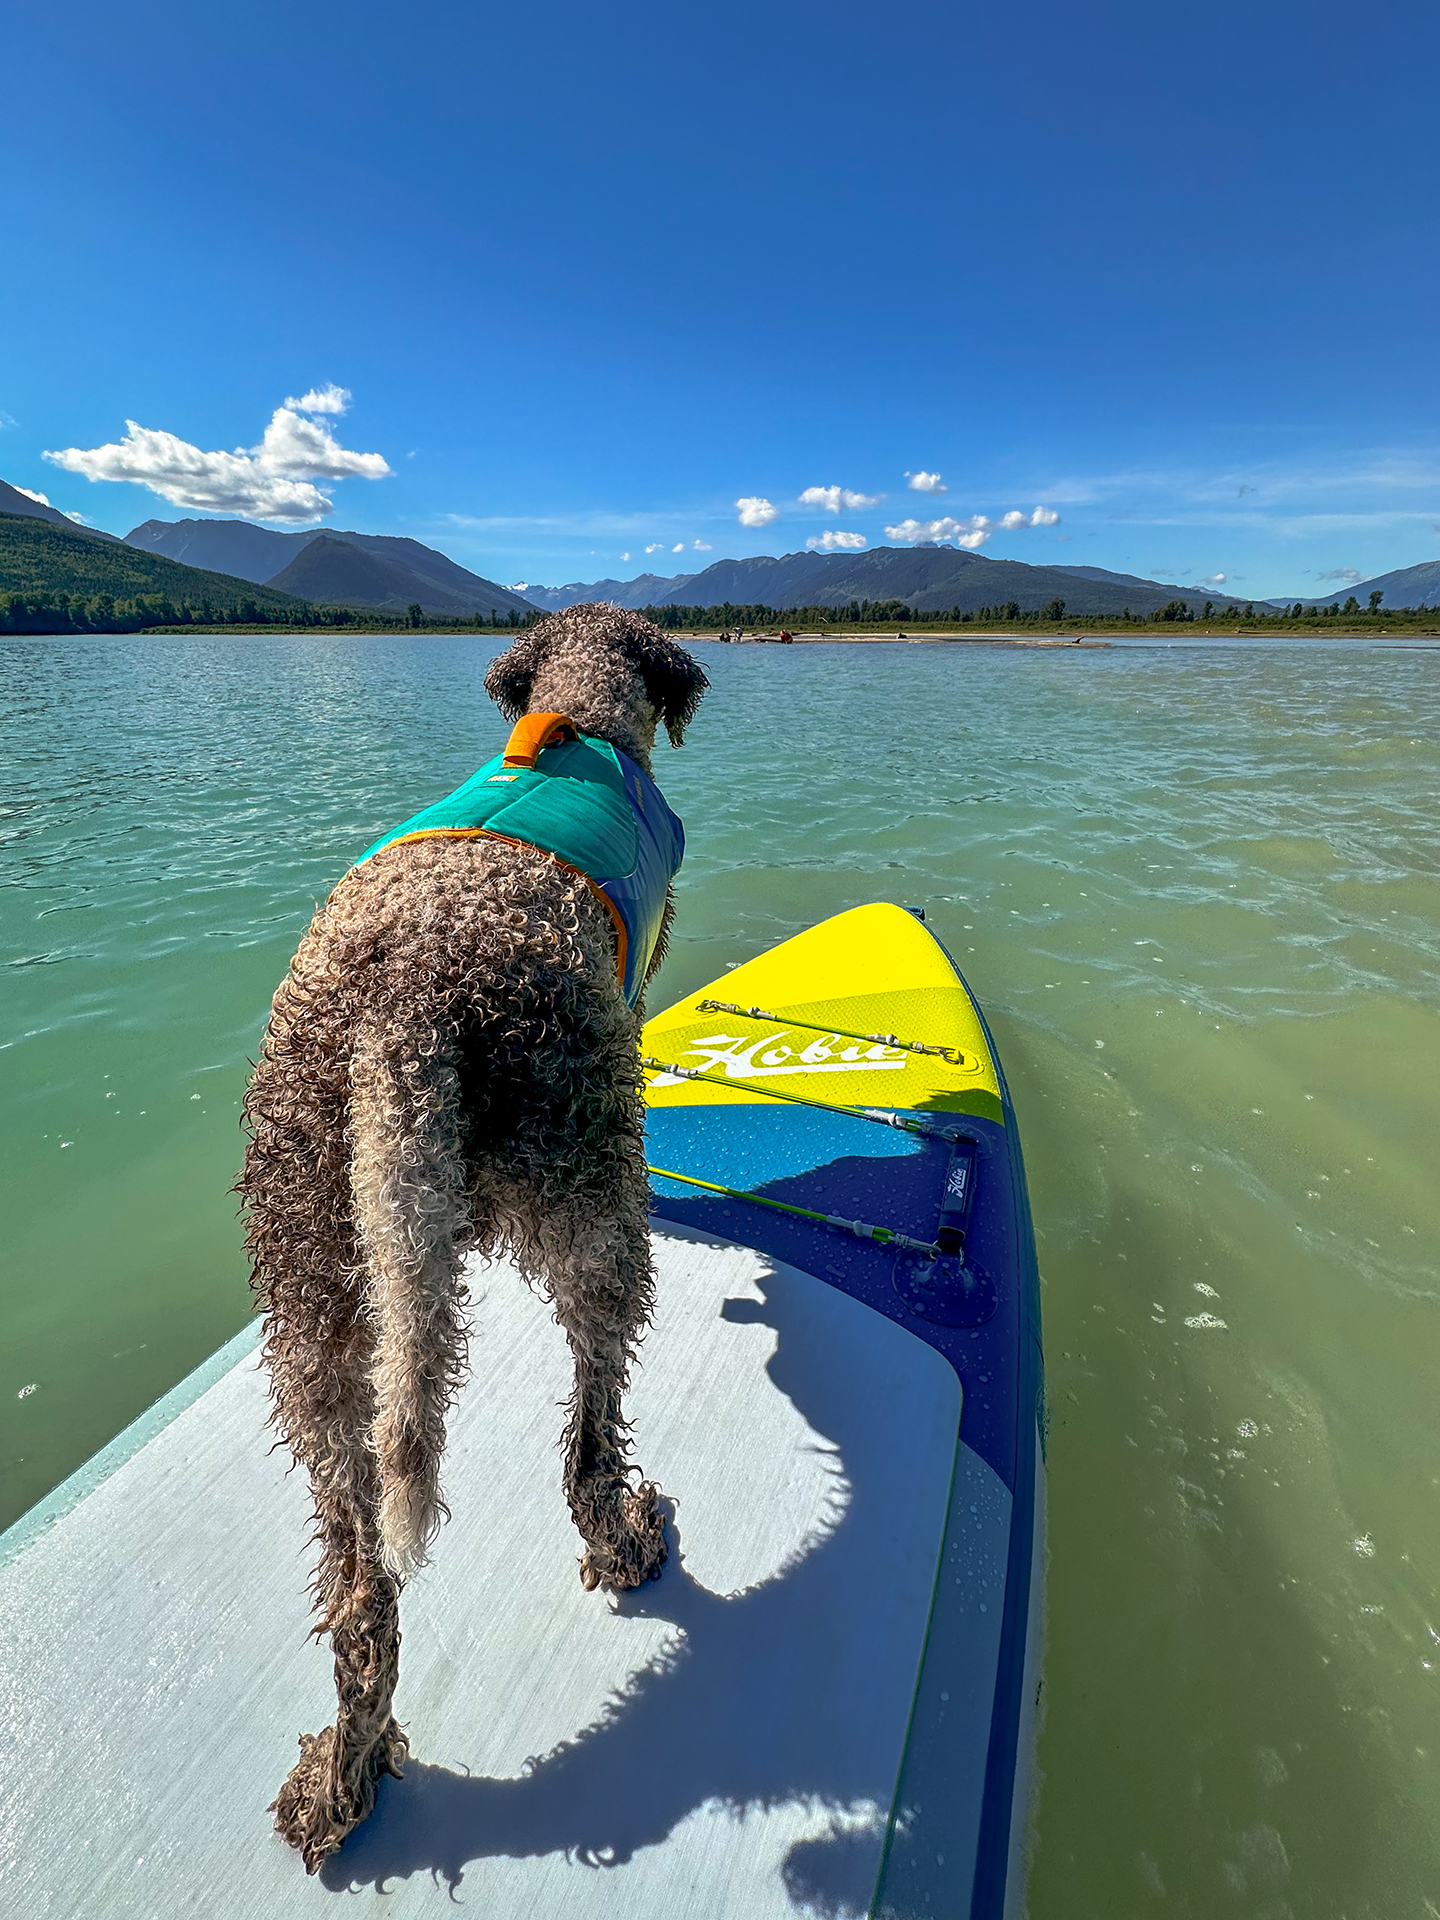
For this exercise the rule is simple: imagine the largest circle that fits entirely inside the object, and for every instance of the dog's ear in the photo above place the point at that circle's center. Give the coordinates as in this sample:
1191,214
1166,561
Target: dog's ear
512,674
674,681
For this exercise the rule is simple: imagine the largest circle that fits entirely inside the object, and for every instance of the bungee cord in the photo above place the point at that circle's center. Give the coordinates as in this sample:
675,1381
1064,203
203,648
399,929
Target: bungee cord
861,1229
881,1116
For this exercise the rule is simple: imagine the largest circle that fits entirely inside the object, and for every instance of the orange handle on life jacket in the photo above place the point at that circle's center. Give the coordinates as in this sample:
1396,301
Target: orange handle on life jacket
532,732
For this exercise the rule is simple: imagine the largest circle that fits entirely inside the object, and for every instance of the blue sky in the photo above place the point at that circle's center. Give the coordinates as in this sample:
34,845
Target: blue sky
592,276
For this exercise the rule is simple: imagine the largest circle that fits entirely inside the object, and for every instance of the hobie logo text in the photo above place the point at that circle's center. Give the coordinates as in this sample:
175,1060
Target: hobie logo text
744,1059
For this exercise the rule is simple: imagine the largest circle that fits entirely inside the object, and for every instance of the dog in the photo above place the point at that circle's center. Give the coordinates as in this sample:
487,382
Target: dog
451,1067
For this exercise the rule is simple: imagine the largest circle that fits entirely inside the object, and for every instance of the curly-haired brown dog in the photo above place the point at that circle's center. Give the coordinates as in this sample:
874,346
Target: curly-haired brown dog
450,1067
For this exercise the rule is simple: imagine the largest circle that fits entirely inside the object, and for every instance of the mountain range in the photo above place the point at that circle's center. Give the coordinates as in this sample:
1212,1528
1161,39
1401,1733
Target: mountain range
382,571
645,590
388,573
929,579
934,579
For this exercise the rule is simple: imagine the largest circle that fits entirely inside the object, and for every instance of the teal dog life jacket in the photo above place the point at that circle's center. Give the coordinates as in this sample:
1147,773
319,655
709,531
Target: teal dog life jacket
586,804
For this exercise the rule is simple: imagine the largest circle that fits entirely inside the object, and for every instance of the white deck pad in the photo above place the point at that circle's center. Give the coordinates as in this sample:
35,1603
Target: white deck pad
724,1743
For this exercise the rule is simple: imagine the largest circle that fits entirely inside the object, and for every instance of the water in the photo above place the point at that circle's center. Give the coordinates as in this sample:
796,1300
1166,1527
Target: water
1195,888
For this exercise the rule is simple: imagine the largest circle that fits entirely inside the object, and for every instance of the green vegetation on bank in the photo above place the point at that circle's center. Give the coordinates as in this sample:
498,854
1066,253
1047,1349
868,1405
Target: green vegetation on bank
153,613
875,616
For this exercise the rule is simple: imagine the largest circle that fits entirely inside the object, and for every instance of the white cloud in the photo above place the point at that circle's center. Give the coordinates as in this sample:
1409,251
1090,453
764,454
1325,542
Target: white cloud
923,482
624,556
1348,574
971,533
1218,580
702,546
755,511
838,499
274,481
328,399
679,547
836,542
655,546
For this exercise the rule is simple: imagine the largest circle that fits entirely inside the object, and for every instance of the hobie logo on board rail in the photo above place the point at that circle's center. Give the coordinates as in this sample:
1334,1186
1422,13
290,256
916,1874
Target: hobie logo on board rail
744,1059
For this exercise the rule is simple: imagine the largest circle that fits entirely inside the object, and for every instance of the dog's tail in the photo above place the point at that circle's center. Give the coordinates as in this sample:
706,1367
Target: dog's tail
407,1178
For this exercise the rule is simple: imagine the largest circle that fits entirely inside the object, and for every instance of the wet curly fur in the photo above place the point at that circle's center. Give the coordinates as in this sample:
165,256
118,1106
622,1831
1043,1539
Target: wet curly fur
450,1068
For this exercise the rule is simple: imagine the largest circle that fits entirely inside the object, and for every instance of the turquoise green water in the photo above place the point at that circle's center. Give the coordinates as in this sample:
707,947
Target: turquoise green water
1197,892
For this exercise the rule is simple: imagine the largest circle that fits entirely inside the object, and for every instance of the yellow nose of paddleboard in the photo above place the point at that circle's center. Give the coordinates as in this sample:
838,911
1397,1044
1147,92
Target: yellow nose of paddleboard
873,970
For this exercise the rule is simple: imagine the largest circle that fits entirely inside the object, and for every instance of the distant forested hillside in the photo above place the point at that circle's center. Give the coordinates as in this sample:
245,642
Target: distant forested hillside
56,579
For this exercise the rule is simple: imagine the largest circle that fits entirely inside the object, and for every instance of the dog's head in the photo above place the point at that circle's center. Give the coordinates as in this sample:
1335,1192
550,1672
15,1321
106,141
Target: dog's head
612,671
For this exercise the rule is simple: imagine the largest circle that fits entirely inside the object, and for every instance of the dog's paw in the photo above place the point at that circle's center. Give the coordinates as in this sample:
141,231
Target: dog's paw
645,1535
314,1810
635,1552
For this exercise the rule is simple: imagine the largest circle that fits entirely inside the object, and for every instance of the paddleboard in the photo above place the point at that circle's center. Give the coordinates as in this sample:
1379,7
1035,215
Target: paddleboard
782,1047
821,1707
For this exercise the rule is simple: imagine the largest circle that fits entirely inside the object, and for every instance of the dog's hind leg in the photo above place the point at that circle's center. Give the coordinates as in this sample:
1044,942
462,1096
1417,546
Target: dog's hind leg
356,1234
602,1285
616,1512
407,1189
584,1237
319,1347
561,1186
331,1788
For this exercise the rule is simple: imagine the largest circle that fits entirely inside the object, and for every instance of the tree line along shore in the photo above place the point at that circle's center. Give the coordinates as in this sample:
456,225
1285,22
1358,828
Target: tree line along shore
59,614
